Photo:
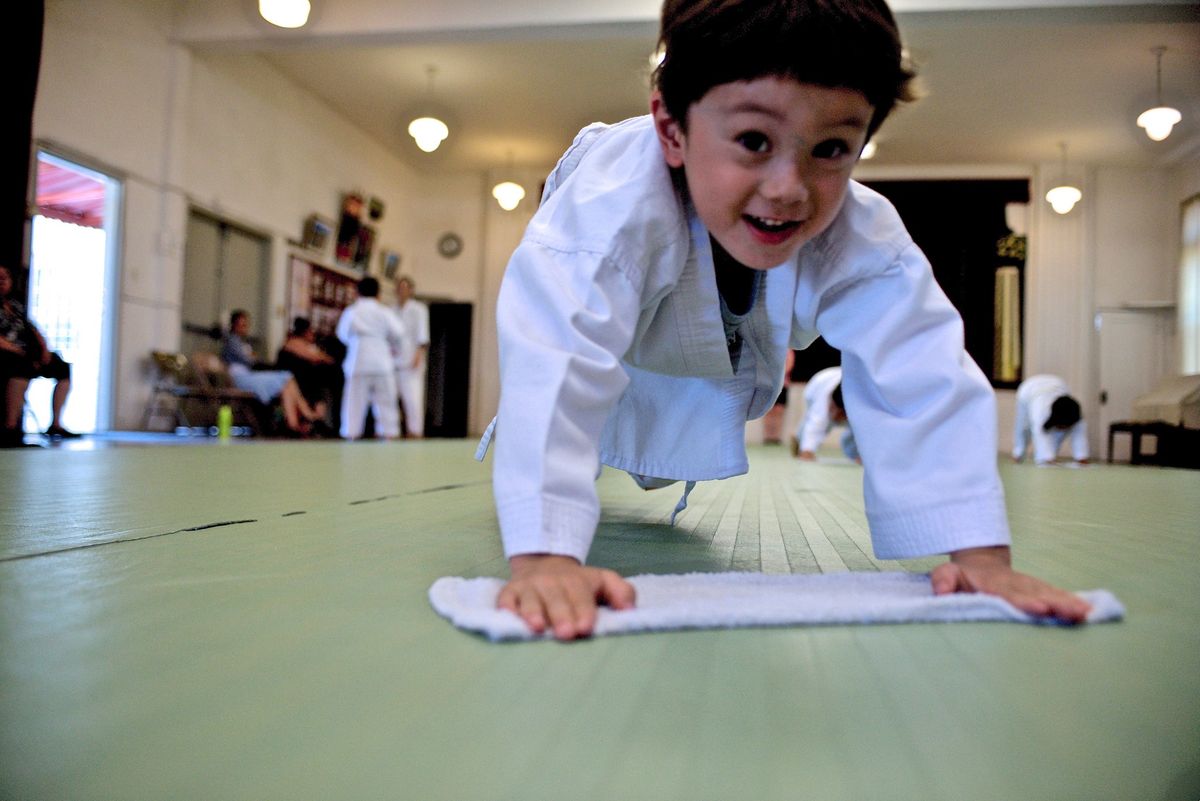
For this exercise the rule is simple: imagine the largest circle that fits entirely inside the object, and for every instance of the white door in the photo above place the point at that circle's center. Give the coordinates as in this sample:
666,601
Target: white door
1133,359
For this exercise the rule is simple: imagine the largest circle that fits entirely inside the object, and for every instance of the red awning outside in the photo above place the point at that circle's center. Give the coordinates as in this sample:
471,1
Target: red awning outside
69,196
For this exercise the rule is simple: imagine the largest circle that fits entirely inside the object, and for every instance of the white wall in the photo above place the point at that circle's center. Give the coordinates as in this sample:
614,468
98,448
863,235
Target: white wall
229,135
232,136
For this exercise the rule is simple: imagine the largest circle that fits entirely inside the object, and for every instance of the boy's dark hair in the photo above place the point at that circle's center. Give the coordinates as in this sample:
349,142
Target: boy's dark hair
836,397
851,44
236,315
1064,413
300,326
368,287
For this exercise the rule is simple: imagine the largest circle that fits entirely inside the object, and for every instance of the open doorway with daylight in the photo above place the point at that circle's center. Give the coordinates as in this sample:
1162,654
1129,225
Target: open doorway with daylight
72,288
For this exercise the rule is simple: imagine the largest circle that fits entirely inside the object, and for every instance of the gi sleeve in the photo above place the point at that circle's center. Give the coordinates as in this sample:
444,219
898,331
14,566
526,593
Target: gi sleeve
342,330
923,414
564,320
1079,441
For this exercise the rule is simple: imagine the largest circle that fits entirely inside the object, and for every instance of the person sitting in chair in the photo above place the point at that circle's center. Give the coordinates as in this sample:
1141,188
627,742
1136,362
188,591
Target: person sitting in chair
24,356
266,384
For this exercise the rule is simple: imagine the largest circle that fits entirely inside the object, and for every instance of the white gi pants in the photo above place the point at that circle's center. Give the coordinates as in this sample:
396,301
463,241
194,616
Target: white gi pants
377,390
411,386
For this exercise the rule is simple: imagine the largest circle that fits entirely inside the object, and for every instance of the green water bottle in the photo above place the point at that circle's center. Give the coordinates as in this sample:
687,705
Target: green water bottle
224,422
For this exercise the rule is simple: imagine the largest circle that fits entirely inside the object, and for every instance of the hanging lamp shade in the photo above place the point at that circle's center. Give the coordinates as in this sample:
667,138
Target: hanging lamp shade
285,13
508,194
429,132
1158,121
1063,197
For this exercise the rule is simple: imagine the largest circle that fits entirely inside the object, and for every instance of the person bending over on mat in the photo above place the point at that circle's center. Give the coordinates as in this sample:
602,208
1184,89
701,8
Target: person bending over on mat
647,312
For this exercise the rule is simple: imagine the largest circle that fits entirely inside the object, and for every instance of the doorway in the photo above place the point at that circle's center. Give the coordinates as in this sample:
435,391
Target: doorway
72,287
1132,346
225,268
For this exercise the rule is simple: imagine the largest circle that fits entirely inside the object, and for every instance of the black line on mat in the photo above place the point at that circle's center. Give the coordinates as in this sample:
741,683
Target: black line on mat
206,526
203,527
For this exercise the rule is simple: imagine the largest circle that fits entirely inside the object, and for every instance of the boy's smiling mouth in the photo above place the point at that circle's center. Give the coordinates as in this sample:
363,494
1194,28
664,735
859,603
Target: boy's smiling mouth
771,230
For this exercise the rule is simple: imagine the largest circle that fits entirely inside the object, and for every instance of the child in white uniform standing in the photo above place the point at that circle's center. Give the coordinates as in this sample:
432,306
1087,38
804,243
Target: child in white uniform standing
411,357
648,310
370,331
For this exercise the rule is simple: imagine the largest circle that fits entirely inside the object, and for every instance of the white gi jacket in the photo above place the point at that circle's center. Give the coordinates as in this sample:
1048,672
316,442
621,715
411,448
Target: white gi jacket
612,349
370,331
1035,396
414,316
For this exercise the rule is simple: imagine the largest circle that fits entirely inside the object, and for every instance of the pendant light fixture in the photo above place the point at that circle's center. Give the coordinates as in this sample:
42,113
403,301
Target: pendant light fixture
508,194
1063,197
428,131
285,13
1159,121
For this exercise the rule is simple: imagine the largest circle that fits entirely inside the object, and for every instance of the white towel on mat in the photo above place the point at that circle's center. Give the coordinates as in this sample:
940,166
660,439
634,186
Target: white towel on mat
727,600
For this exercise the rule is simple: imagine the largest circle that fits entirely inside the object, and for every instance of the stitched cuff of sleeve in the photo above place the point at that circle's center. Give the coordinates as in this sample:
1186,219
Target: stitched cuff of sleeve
546,525
974,522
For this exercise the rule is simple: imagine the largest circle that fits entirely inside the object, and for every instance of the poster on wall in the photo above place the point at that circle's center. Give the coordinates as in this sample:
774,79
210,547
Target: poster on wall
349,228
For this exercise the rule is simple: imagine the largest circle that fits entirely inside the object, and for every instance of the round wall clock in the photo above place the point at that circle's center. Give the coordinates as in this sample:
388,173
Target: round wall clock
450,245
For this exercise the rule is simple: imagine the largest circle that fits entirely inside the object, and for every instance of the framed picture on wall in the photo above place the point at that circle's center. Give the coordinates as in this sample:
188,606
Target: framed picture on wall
349,228
316,232
365,245
390,261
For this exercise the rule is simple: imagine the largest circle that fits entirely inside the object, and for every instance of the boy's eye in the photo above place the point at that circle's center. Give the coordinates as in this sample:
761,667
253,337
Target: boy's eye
754,141
831,149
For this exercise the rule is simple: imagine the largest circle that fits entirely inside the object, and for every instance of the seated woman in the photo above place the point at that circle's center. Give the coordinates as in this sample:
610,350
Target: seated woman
266,384
23,357
318,373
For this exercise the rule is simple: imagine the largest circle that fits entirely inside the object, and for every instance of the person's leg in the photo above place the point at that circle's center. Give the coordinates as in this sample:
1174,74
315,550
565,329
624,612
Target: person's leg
290,400
59,399
387,411
14,401
773,424
411,386
354,407
309,412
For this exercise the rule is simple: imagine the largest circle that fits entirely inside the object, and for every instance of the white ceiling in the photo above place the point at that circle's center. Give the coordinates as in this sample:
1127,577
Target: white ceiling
1004,81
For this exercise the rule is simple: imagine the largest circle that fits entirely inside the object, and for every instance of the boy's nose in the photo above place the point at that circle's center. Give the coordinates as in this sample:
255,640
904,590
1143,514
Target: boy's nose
785,183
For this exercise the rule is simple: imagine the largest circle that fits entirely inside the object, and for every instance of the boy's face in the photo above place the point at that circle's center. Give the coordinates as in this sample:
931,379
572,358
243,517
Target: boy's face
767,161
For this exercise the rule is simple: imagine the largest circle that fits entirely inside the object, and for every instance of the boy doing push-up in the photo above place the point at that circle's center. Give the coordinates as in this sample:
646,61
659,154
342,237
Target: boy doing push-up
647,312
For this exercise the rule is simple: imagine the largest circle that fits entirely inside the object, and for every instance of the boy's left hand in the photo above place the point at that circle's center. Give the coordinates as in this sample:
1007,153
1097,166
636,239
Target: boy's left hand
989,570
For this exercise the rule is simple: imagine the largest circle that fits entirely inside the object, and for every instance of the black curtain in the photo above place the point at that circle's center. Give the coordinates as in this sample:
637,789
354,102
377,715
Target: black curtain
23,43
957,224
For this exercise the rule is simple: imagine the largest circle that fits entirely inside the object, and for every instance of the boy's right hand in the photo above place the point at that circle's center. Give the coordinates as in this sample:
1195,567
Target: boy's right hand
557,592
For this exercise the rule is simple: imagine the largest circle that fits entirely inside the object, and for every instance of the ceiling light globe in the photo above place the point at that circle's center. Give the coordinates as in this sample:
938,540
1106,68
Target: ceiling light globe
285,13
1159,121
508,194
1063,198
429,132
869,150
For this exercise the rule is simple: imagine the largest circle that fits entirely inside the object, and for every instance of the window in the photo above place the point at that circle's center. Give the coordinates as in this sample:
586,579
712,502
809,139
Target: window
1189,288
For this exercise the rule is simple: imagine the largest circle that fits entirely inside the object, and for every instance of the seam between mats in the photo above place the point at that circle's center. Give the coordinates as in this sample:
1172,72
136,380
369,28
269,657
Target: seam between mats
205,526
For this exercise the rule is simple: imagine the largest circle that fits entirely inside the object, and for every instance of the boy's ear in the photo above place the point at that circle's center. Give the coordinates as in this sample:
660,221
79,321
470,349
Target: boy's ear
670,132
